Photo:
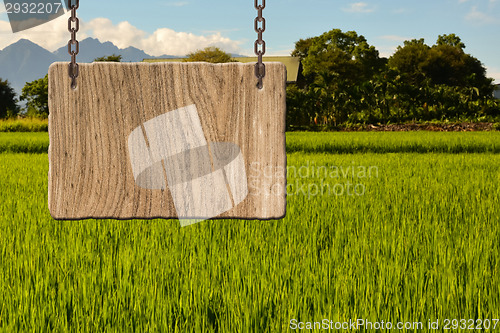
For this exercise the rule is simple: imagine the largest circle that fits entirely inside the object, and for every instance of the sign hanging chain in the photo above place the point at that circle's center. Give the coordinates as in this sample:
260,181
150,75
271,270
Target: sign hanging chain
260,68
73,66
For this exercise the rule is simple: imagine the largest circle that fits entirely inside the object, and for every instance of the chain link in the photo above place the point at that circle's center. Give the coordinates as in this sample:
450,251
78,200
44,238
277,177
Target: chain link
260,68
73,70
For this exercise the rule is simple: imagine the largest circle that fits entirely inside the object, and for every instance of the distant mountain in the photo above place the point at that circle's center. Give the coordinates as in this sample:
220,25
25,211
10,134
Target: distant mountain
91,48
24,61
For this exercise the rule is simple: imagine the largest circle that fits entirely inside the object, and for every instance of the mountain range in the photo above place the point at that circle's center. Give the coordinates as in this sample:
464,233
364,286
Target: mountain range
25,61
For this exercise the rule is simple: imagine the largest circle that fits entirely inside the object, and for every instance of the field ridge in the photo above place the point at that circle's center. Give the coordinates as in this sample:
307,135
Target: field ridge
327,142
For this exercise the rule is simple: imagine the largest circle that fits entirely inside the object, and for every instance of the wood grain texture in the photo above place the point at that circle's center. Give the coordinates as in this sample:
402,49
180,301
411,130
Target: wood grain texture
90,173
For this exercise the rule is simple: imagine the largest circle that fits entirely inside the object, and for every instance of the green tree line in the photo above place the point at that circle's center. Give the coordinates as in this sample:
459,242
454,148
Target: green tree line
345,81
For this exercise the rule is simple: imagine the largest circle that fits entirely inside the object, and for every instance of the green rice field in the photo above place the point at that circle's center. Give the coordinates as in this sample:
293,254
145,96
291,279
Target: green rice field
393,227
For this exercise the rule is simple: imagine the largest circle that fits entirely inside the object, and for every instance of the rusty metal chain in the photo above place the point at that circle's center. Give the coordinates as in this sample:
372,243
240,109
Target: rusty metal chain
73,66
260,68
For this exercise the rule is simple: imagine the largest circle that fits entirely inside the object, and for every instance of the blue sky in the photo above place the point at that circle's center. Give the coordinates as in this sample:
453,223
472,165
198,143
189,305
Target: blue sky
179,26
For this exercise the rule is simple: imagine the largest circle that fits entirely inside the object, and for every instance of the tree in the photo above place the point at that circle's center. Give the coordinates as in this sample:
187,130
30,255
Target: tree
335,65
448,64
301,51
302,47
451,40
36,93
410,59
345,54
443,63
8,106
209,54
112,58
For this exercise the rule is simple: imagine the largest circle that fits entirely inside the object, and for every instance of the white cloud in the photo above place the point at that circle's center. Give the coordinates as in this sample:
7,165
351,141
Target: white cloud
478,17
359,7
162,41
54,34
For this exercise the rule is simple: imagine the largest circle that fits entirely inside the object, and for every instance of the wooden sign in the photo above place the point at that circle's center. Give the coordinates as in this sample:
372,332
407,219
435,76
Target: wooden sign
168,140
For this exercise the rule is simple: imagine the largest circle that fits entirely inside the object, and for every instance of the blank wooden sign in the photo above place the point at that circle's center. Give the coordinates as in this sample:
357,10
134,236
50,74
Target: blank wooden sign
169,140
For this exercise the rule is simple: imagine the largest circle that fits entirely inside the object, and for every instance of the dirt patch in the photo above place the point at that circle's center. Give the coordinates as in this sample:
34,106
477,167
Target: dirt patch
457,127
